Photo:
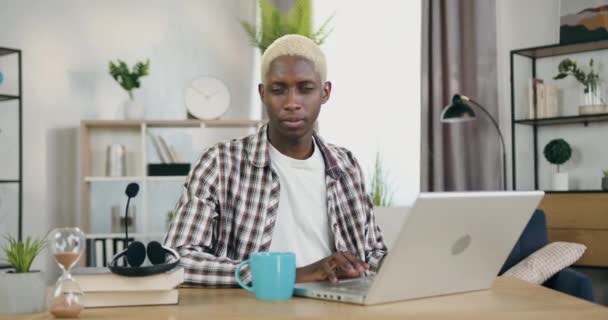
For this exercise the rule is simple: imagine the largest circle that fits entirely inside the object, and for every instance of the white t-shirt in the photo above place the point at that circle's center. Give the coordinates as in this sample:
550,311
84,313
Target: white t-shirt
302,225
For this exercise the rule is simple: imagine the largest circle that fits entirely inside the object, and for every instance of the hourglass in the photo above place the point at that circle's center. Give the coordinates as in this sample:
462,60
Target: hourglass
66,245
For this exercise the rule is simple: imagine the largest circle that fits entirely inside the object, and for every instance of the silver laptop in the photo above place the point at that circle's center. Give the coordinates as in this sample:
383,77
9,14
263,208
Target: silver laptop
448,243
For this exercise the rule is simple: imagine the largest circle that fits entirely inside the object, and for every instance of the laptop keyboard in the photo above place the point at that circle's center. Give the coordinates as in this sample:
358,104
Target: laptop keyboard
352,285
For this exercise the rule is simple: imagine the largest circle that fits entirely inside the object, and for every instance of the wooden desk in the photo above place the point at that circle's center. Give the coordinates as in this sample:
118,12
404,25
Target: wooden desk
508,299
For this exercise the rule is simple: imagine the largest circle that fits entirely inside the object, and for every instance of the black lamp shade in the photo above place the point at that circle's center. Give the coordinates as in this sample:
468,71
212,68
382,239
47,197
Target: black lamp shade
457,111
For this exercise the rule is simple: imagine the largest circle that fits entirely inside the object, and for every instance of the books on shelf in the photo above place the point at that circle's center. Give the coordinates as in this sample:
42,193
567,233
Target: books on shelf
542,99
99,251
166,152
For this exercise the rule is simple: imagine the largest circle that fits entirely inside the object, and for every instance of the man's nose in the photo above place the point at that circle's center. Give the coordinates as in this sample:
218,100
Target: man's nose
293,100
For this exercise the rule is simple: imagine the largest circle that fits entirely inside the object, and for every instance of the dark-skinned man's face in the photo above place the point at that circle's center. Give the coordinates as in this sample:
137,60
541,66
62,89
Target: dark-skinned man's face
293,94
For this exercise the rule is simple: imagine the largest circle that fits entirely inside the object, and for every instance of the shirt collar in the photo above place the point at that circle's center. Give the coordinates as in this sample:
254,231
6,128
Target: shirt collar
258,153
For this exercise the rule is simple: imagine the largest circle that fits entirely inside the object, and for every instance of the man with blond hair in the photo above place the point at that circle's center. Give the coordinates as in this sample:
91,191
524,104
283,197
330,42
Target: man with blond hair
281,189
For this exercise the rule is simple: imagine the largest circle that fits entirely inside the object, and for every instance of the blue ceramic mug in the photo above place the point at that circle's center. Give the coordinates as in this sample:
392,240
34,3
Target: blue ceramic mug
273,275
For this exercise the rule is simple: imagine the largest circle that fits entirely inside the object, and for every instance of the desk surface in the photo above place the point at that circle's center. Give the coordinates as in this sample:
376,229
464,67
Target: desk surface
508,299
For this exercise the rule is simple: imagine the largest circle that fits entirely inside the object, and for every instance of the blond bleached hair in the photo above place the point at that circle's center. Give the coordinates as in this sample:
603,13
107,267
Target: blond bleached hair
295,45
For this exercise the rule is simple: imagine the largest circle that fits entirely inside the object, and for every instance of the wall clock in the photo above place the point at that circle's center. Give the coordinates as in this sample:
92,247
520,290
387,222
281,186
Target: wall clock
207,98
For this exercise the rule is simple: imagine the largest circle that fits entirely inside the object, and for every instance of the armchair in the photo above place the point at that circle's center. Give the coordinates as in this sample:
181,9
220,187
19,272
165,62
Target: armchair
533,238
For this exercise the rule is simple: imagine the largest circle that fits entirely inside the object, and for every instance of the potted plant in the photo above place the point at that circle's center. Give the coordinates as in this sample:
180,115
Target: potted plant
130,80
380,191
593,101
22,290
605,180
275,24
557,152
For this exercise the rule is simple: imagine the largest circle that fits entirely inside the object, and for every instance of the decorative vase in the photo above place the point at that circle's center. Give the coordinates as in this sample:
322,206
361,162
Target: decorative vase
133,110
22,292
605,183
592,101
559,181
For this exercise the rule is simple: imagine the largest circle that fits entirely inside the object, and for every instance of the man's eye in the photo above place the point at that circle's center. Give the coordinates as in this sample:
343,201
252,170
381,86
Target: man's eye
276,90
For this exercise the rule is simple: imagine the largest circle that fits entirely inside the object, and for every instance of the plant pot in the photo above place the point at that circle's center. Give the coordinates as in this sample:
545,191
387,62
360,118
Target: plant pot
133,110
605,183
559,181
594,96
22,292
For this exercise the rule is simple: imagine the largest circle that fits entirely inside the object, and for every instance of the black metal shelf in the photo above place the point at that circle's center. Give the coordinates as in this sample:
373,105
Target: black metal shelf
577,191
562,49
7,51
584,119
6,97
18,97
534,54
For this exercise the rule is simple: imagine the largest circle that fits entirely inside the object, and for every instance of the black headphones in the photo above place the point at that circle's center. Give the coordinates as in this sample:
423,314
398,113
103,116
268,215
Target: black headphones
136,252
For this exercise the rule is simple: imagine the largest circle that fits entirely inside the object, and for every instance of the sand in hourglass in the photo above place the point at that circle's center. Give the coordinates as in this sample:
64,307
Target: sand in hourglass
66,259
65,311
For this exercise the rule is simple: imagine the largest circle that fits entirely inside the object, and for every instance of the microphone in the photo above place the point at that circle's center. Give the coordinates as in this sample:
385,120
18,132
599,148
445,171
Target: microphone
131,192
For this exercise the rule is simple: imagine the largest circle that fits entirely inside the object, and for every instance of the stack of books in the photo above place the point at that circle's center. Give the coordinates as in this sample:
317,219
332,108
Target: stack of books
542,99
104,289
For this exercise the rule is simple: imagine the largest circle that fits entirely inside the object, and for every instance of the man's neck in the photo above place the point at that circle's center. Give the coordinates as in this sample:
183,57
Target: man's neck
300,149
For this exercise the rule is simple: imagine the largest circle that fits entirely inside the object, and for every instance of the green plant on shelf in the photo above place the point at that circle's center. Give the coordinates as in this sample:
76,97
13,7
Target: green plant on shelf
21,254
557,152
589,80
129,80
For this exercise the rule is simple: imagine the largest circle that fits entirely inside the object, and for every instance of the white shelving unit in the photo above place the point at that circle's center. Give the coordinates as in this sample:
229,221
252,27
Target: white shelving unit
96,135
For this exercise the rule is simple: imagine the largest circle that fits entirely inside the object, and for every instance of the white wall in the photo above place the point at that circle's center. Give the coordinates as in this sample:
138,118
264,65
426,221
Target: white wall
374,64
520,24
66,48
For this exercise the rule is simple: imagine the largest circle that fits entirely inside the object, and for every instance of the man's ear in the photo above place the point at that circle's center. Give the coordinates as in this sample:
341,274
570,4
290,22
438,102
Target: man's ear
326,91
261,90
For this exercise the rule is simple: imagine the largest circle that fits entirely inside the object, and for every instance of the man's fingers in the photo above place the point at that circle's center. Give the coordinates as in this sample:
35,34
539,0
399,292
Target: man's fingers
346,266
355,262
328,268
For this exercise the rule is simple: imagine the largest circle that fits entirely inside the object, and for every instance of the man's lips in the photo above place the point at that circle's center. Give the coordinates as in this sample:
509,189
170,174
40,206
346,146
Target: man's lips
292,122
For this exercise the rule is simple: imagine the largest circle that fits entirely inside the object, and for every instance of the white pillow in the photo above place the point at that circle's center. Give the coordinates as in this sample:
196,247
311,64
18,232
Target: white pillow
547,261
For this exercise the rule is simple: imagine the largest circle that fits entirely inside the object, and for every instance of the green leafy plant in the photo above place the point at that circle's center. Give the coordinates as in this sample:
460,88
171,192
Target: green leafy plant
127,79
275,24
569,67
557,152
381,192
21,254
605,173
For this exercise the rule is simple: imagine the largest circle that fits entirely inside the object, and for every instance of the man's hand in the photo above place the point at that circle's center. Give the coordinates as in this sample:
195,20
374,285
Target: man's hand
337,266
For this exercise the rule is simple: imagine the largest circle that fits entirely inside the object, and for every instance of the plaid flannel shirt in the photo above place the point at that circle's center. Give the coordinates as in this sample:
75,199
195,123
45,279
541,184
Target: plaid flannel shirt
229,203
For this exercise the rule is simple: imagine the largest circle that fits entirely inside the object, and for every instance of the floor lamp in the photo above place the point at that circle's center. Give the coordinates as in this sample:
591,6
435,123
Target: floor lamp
459,111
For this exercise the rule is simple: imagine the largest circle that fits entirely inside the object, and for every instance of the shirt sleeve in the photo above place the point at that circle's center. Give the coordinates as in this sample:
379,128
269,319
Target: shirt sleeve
375,249
192,231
